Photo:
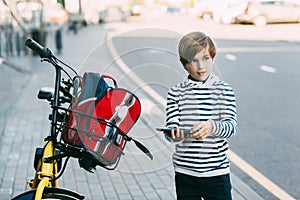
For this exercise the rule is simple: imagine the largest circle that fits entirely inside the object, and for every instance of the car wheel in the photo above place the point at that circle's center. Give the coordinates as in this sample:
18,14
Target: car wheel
260,21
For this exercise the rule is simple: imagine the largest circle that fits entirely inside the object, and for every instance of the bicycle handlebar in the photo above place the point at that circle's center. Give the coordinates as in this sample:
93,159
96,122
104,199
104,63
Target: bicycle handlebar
44,52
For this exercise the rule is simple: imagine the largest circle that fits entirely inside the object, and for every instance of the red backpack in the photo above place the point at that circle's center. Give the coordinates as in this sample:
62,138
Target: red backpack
100,119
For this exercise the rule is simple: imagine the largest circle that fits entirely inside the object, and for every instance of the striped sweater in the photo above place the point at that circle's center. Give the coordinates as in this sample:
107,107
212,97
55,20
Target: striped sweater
190,102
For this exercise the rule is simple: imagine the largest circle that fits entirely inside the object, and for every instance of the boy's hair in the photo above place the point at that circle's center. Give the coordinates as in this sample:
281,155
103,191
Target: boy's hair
192,43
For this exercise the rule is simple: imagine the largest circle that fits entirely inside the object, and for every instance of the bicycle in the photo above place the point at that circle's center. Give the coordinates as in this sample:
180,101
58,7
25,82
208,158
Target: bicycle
67,141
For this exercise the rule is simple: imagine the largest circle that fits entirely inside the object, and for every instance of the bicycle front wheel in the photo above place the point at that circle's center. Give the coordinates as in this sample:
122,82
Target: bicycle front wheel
51,193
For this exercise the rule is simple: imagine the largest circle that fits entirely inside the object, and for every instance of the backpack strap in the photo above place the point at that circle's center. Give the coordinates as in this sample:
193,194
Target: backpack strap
127,138
110,77
141,147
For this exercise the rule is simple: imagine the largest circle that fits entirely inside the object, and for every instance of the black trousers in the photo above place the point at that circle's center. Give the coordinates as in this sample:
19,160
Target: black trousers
207,188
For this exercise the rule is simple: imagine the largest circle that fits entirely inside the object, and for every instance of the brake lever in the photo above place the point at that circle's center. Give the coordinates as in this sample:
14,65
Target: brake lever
65,92
64,99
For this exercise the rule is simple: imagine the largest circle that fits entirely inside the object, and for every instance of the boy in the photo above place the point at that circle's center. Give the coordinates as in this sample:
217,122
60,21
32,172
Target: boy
205,105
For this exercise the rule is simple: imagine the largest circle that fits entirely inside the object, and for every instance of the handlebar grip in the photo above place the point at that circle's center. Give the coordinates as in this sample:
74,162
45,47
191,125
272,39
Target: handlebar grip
35,46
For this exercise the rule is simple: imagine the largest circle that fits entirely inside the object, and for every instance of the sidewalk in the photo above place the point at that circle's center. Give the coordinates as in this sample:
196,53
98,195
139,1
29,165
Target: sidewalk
136,177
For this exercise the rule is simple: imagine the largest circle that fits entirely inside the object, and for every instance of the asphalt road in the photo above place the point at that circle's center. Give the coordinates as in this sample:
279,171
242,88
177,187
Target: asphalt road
265,77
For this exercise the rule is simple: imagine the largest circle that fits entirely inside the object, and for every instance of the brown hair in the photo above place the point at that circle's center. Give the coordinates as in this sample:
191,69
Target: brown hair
192,43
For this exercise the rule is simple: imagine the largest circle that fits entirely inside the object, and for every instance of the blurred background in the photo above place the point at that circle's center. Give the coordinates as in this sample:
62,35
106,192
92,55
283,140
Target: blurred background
40,19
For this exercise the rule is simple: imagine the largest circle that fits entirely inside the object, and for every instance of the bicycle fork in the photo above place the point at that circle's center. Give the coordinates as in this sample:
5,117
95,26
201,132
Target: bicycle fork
45,172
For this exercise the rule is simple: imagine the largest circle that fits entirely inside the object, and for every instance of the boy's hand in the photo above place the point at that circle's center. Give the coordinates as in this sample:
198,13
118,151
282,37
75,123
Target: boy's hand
202,130
177,135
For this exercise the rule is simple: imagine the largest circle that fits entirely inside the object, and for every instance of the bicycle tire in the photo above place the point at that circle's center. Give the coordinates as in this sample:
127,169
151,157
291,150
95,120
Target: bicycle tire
51,193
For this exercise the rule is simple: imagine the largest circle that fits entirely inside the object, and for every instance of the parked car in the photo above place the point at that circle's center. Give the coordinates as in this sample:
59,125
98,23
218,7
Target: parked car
112,14
263,12
228,15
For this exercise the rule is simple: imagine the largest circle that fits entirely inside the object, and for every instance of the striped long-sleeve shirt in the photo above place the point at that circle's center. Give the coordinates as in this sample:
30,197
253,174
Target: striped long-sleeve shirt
190,102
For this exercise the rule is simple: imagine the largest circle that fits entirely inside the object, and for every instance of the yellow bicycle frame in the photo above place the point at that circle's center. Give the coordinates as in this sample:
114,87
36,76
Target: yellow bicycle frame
45,172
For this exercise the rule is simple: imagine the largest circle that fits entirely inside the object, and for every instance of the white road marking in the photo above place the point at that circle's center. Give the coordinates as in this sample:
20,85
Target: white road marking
132,75
267,69
238,161
258,177
230,57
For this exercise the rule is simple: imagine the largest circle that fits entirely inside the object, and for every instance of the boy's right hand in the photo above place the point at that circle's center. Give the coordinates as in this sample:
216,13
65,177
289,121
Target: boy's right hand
177,135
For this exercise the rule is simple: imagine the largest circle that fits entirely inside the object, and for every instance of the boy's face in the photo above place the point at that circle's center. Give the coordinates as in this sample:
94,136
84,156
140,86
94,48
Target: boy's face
201,66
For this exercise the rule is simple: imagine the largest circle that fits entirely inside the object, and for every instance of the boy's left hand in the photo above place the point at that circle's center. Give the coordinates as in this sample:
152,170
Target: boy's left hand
202,130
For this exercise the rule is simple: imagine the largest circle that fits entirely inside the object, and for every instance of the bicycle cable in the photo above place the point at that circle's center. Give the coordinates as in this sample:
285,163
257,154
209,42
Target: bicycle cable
63,169
66,65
